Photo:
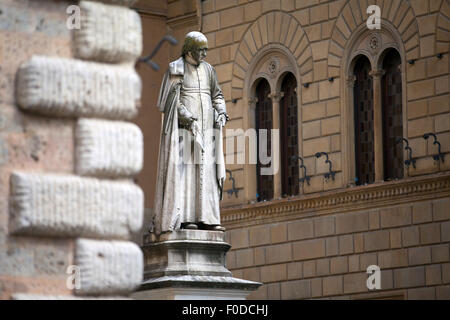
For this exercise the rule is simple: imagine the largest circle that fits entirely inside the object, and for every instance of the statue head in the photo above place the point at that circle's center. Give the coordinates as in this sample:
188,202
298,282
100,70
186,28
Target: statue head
195,46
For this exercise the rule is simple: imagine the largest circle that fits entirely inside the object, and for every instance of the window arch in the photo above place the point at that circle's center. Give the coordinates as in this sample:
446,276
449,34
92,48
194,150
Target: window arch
391,87
263,117
364,122
380,48
289,136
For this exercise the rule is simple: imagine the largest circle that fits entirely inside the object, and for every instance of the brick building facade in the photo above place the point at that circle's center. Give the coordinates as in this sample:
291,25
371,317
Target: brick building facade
316,242
319,243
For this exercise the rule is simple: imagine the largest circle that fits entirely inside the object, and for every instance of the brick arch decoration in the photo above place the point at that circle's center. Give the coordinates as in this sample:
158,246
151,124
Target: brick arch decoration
443,28
353,14
275,27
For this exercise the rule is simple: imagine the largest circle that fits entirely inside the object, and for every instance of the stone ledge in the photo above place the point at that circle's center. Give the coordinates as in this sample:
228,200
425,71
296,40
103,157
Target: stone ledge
108,148
339,200
185,234
191,281
108,33
70,206
108,267
73,88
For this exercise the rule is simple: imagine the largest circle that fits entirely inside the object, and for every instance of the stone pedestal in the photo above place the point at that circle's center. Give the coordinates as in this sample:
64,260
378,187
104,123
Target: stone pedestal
189,264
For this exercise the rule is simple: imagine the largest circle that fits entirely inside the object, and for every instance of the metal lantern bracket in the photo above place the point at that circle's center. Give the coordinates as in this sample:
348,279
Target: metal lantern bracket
305,176
233,185
411,160
331,172
440,155
148,58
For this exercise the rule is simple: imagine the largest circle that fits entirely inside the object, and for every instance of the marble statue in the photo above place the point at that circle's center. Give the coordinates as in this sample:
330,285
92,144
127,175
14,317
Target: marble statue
191,168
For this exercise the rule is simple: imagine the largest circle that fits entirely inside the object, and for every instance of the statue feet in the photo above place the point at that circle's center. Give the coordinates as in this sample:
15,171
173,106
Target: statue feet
213,227
191,226
202,226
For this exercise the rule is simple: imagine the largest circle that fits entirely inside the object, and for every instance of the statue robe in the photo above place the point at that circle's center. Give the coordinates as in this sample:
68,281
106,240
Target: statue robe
188,190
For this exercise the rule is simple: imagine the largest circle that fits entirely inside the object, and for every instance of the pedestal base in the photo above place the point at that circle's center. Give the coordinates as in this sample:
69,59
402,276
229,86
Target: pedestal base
189,264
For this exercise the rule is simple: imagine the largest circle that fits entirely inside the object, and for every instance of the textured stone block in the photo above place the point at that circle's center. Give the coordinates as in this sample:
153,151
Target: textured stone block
332,285
273,273
376,240
108,267
279,253
299,289
311,249
393,258
355,282
324,226
309,269
244,258
422,294
108,33
108,148
394,217
74,88
352,222
31,296
409,277
259,236
70,206
302,229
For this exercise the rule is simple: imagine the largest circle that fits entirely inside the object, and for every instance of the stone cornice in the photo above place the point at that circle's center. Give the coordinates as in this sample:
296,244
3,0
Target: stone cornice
186,20
341,200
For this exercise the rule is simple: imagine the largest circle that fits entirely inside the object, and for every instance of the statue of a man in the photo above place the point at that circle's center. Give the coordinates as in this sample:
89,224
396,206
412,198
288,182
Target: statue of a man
188,190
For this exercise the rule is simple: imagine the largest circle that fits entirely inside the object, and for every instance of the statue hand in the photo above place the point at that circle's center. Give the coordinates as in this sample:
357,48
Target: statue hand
195,128
221,120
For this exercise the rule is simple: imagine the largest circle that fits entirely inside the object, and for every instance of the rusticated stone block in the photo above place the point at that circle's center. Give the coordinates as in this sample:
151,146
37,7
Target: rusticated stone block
108,267
74,88
70,206
108,148
108,33
31,296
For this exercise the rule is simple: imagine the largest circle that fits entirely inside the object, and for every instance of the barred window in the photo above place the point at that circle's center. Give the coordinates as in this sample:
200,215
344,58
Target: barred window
289,136
392,116
364,118
264,121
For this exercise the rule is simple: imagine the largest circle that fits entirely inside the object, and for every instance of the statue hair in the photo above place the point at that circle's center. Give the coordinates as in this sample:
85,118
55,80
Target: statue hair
193,41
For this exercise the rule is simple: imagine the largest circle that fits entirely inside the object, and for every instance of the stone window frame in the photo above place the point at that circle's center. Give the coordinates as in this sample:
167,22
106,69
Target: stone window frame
357,45
286,64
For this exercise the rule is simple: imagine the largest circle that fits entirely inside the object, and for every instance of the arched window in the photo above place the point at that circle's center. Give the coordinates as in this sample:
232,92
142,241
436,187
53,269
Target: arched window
289,136
364,118
391,87
264,121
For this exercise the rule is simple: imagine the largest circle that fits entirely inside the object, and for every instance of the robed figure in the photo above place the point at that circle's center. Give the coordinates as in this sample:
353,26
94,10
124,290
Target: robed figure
191,168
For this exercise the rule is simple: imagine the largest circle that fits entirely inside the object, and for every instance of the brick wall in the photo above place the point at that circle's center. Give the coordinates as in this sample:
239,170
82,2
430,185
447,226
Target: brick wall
66,190
326,256
319,40
311,253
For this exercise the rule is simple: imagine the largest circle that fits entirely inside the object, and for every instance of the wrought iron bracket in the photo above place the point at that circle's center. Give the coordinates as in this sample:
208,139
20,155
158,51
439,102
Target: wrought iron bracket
410,160
233,185
330,173
440,155
305,176
148,58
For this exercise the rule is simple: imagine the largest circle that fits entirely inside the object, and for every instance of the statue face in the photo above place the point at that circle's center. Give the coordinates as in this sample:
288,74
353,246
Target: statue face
199,54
